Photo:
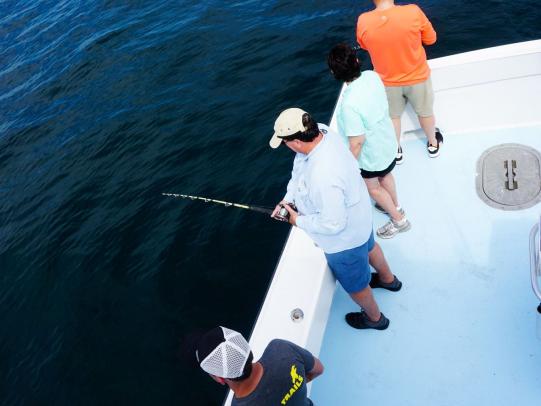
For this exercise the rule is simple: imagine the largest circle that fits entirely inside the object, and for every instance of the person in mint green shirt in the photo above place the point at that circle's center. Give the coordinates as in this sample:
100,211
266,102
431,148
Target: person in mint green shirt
364,123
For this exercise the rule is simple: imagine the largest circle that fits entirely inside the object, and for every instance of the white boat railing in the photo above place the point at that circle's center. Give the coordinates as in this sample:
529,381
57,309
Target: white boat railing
535,271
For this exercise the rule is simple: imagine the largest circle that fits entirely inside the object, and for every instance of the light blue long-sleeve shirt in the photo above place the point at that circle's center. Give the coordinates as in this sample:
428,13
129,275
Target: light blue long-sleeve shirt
332,199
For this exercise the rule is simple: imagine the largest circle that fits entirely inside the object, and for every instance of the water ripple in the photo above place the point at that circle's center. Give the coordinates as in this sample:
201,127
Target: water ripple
107,104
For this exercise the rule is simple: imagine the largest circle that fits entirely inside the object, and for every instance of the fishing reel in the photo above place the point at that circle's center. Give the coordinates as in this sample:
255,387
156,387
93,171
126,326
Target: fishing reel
283,214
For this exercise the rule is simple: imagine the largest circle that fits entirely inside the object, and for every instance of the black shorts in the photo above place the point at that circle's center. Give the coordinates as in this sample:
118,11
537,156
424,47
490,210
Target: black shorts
378,174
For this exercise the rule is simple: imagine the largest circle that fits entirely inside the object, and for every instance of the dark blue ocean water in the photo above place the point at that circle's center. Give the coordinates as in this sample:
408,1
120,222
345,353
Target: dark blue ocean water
106,104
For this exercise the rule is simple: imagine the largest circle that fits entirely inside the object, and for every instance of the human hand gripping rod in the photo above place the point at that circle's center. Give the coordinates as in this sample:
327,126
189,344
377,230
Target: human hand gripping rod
259,209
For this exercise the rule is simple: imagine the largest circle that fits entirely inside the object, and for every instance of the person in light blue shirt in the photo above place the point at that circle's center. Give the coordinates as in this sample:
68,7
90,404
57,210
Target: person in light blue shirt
364,122
334,209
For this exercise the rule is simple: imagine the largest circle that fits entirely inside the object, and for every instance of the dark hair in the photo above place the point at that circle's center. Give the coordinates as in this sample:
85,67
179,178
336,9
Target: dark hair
343,63
308,135
247,371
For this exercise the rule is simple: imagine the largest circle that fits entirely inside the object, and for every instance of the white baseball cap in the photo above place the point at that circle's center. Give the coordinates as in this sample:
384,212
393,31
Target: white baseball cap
223,352
289,122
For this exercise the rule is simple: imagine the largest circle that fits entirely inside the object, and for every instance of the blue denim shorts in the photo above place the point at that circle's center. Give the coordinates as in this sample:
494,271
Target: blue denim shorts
351,267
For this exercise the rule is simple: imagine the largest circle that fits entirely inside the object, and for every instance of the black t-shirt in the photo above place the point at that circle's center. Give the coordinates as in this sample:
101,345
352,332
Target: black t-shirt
284,377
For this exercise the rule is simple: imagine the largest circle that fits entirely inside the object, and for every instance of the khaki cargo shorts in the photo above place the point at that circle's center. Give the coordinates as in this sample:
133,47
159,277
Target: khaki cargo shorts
421,97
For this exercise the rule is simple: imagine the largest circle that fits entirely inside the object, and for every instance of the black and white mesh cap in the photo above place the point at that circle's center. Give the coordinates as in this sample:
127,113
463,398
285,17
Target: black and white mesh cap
222,352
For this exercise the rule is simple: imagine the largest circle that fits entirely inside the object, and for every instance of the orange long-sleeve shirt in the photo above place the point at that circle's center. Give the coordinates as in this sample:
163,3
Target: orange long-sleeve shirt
394,39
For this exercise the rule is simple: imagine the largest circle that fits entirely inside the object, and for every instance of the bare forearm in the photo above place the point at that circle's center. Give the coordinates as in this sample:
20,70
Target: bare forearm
356,150
356,145
316,371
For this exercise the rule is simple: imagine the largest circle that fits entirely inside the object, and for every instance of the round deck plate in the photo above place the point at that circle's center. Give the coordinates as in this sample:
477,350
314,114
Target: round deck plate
509,177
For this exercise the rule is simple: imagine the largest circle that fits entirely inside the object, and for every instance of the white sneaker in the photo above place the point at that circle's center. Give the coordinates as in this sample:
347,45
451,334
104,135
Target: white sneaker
399,156
392,228
434,152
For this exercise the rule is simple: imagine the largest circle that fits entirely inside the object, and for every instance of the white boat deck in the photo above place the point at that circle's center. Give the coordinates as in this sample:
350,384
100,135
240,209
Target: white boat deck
462,328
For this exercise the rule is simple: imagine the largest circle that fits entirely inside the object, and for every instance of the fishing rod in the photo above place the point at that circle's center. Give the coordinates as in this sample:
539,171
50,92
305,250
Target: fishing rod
283,214
259,209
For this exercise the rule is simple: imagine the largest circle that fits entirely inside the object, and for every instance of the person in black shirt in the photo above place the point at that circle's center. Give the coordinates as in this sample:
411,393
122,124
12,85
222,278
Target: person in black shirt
278,378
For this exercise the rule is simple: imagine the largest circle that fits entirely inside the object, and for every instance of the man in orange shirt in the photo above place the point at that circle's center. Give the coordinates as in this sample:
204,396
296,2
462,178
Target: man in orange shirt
394,37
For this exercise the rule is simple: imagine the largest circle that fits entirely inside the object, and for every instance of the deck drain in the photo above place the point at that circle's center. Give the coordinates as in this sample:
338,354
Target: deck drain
509,177
297,315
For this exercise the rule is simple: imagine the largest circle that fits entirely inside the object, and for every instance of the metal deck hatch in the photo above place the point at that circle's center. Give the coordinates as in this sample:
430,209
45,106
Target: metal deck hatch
509,177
